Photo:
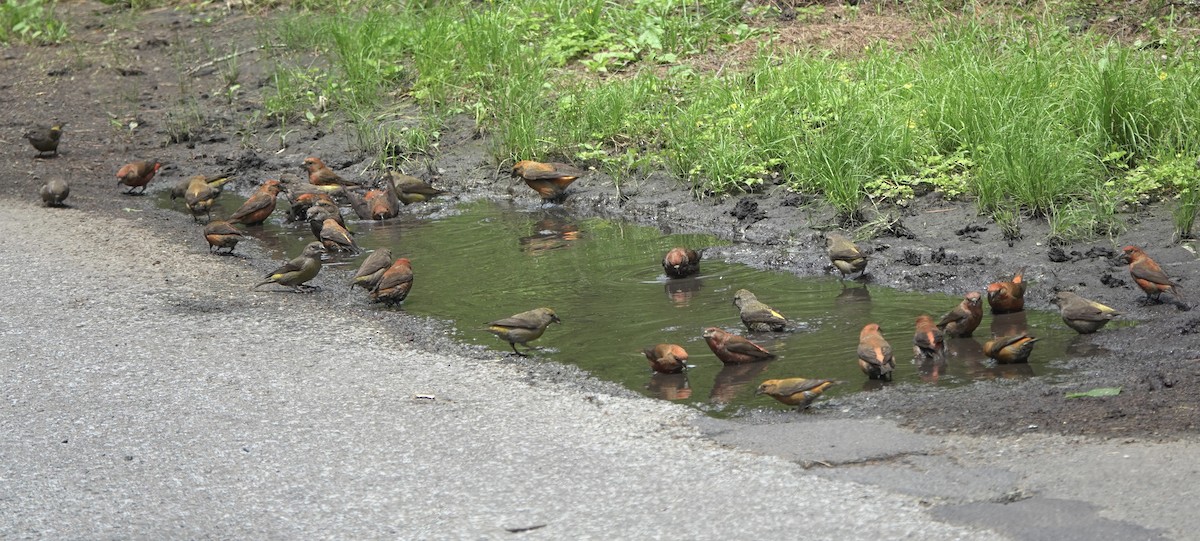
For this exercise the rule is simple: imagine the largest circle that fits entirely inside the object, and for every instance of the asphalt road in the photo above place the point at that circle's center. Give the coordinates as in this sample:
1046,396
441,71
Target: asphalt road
149,394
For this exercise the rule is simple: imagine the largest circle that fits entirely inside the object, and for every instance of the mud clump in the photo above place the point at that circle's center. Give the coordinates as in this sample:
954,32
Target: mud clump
1112,281
747,210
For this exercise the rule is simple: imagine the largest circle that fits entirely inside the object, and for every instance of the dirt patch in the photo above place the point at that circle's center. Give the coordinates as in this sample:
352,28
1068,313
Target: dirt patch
139,95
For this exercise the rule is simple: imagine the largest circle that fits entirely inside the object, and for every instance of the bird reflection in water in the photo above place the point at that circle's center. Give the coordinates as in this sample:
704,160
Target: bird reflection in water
681,290
550,233
669,386
1010,324
733,378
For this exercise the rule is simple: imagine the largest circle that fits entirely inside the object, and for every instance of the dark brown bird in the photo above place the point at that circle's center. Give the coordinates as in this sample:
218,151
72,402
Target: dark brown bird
845,255
411,189
138,175
221,234
395,283
929,342
1148,275
319,212
202,194
756,315
875,354
321,175
550,180
681,262
666,358
372,269
524,327
54,192
45,139
296,272
734,349
259,206
794,391
1007,297
336,238
302,196
1010,349
1083,315
964,318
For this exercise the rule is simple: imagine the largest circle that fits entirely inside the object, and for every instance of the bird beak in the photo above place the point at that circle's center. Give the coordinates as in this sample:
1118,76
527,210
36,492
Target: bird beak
554,319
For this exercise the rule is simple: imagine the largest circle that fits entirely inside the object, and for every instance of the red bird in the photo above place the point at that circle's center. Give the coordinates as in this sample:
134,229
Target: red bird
259,206
964,318
666,358
733,349
550,180
321,175
393,286
221,234
928,341
681,262
137,175
1148,275
1010,349
875,354
1007,297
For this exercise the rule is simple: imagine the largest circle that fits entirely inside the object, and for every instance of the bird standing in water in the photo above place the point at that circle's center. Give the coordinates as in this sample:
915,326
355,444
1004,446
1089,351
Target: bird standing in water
680,262
296,272
549,180
524,327
1008,297
845,255
962,320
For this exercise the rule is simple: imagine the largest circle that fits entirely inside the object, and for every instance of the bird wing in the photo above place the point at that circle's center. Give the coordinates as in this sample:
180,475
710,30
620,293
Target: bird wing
956,315
377,261
800,385
221,228
515,322
1151,274
763,313
746,347
549,174
875,353
394,279
252,205
291,266
1087,311
844,253
338,235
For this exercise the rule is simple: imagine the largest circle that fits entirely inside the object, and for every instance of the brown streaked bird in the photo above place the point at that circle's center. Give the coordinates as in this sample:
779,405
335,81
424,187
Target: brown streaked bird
411,189
296,272
201,194
1148,275
372,269
180,188
138,174
336,238
523,328
395,283
680,262
756,315
321,175
845,255
1010,349
1008,297
794,391
666,358
222,234
54,192
963,319
734,349
549,180
259,206
1083,315
929,343
875,354
45,138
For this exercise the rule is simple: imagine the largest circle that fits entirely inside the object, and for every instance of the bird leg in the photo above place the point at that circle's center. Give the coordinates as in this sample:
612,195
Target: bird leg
514,348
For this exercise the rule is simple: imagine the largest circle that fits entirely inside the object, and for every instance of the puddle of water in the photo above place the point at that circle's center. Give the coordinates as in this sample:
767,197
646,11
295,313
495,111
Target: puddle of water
603,278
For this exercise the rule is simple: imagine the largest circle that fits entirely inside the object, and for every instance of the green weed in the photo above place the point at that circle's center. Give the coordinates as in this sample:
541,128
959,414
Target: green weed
30,21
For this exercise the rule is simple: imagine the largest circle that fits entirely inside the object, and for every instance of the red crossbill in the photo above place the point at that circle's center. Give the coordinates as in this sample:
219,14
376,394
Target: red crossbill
734,349
321,175
756,315
222,234
137,175
524,327
336,238
1148,275
794,391
666,358
680,262
875,354
928,340
964,318
1083,315
395,283
372,269
1007,297
845,255
1010,349
259,206
54,192
45,139
550,180
296,272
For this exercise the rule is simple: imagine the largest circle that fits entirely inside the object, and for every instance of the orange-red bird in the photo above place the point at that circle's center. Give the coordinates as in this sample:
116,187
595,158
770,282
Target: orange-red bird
137,175
666,358
1007,297
221,234
964,318
393,286
794,391
550,180
259,206
875,354
928,341
1148,275
336,238
681,262
1010,349
321,175
733,349
382,204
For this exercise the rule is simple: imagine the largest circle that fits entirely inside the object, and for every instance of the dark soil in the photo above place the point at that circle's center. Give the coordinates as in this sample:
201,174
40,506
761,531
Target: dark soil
149,71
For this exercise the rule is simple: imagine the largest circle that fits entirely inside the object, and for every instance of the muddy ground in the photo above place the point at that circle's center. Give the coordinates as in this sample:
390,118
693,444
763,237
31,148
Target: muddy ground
151,70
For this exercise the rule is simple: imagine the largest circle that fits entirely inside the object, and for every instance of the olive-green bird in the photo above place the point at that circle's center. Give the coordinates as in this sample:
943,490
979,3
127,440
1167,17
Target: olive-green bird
372,269
1083,315
845,255
411,189
294,273
524,327
794,391
756,315
45,138
54,192
201,194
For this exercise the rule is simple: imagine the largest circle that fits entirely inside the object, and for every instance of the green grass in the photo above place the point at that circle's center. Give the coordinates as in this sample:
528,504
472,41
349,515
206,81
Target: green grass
1019,115
30,21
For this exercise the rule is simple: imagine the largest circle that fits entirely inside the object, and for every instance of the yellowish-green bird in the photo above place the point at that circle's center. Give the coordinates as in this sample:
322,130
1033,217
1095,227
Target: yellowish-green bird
296,272
794,391
845,255
1083,315
54,192
372,269
756,315
524,327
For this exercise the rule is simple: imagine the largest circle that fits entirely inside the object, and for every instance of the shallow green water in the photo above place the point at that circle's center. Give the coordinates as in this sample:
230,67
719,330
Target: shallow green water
605,281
